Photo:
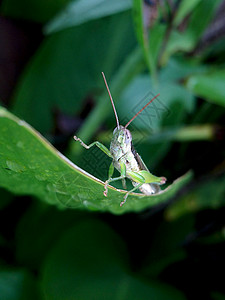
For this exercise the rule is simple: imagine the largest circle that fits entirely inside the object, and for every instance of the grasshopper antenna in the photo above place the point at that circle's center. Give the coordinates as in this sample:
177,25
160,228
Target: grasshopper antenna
141,110
110,96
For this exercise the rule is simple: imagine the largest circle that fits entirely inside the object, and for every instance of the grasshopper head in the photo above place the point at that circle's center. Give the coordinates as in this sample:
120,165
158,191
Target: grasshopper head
121,141
122,135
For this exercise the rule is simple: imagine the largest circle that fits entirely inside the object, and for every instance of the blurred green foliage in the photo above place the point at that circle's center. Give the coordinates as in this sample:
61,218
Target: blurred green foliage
174,249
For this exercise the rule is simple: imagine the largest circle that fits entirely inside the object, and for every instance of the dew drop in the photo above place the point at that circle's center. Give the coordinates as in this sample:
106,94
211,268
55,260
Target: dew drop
39,177
20,145
32,167
15,166
21,123
90,205
50,187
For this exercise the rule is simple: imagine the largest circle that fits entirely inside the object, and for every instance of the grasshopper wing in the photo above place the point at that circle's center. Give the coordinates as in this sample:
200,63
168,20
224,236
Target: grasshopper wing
143,166
139,159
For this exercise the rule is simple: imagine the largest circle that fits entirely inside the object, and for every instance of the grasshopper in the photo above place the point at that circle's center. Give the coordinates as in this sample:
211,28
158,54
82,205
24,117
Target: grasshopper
125,159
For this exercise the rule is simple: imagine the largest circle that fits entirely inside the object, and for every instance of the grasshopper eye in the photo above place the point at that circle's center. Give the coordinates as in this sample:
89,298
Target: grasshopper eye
128,137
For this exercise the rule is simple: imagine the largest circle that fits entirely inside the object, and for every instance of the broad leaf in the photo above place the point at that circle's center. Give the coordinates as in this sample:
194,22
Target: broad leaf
209,86
81,11
30,165
187,40
56,79
185,8
207,194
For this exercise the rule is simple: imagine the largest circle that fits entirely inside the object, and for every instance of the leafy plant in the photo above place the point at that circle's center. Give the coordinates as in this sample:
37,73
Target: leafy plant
75,243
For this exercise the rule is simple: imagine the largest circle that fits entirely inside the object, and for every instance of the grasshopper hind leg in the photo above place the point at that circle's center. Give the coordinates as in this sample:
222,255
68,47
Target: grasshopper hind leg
128,193
124,183
122,177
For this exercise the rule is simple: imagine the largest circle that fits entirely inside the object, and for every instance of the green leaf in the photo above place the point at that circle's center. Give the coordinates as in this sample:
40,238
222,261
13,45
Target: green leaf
81,11
162,110
187,40
67,68
179,41
143,38
185,8
209,86
201,16
82,267
127,71
207,194
30,165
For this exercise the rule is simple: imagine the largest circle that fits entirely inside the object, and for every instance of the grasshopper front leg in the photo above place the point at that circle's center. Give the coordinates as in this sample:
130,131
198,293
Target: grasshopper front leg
111,168
121,177
99,145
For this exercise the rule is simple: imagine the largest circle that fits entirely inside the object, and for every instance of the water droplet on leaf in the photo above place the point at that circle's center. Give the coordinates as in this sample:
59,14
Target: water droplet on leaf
16,167
20,145
40,177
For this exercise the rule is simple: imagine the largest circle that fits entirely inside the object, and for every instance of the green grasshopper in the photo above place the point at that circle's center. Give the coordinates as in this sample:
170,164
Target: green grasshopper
125,159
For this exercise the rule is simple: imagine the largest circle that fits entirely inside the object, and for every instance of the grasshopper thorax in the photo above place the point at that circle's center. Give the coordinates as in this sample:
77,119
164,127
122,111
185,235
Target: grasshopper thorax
121,141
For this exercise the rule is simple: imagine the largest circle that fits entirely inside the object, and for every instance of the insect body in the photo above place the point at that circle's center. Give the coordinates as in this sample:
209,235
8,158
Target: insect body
126,160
